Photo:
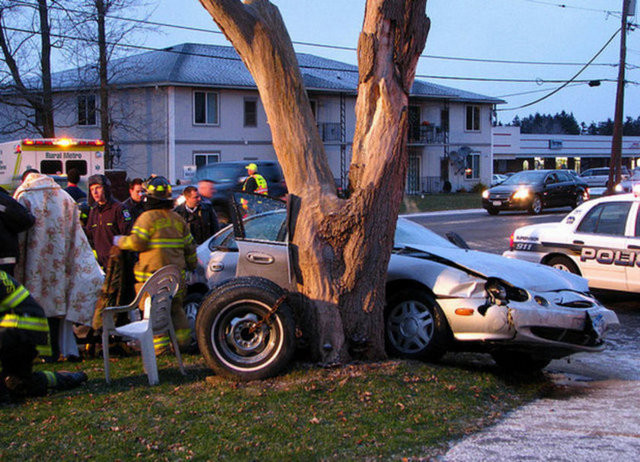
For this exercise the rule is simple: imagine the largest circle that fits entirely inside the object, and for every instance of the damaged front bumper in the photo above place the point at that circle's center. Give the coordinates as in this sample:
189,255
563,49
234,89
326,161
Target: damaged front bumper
552,324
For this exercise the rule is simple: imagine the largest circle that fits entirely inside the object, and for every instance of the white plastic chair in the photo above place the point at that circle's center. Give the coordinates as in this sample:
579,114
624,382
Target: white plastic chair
161,287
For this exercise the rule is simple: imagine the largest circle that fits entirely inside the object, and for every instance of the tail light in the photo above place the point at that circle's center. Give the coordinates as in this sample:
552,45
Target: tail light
511,242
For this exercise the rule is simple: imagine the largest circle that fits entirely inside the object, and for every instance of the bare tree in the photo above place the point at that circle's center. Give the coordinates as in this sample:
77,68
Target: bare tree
17,42
99,27
343,246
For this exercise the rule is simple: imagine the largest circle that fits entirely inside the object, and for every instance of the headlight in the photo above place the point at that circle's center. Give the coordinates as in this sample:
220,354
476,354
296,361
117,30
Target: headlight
521,193
618,188
502,291
485,194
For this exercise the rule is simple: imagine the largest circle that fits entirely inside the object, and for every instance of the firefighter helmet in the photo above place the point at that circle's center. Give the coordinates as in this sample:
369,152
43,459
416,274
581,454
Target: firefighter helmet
158,188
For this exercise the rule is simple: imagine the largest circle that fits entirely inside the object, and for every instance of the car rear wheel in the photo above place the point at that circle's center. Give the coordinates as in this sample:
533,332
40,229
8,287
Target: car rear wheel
239,334
415,326
516,361
536,205
563,264
579,200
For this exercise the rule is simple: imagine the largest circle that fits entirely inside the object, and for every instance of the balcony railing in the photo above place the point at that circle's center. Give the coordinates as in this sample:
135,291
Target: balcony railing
425,134
425,184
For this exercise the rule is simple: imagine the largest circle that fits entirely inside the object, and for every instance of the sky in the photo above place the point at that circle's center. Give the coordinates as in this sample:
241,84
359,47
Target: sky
505,30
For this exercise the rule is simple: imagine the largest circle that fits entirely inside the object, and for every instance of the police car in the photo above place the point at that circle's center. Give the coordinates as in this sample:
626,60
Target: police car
600,240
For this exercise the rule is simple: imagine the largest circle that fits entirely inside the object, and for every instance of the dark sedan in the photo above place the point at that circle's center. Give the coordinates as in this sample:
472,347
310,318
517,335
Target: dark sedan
533,190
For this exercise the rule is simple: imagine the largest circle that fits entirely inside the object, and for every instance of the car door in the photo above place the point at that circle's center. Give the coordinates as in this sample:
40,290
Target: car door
633,245
567,188
601,236
552,190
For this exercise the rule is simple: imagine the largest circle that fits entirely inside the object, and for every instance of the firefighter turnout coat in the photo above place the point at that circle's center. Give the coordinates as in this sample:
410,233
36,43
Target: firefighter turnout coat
162,238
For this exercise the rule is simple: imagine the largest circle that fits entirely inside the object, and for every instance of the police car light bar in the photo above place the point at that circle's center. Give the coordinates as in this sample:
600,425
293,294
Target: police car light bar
636,190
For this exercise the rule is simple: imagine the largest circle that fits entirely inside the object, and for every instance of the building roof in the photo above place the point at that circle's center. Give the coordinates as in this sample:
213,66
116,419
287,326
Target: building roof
194,64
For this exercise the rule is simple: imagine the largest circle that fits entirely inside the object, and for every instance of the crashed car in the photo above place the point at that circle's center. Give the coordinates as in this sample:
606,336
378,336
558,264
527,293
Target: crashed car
440,297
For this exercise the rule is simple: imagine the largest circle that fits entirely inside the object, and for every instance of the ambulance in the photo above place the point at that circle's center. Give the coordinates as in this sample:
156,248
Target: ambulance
50,156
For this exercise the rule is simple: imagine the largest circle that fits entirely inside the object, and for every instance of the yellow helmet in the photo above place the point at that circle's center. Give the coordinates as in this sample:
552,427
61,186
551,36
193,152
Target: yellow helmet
252,166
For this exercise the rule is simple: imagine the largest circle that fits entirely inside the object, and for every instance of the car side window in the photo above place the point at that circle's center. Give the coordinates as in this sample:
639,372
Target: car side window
266,227
551,179
609,219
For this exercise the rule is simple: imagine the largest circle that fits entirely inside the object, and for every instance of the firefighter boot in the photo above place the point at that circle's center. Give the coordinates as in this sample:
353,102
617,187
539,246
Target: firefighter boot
68,380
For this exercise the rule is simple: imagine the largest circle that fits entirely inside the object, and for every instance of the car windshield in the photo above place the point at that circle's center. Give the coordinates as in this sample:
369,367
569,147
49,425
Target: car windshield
526,177
410,233
219,173
635,176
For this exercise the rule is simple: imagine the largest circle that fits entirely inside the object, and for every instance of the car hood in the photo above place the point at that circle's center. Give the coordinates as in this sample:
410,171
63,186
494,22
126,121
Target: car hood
522,274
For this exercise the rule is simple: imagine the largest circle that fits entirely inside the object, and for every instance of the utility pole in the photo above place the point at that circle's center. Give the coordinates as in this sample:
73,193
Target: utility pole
615,168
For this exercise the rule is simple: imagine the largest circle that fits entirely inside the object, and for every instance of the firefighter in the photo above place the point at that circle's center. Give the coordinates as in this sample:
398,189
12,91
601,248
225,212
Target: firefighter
254,183
23,335
162,237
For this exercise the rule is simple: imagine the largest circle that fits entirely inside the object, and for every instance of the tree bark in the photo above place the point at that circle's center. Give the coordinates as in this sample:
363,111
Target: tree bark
48,125
342,246
105,122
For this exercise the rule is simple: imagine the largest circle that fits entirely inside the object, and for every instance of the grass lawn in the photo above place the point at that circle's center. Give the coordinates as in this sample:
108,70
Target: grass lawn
443,201
391,409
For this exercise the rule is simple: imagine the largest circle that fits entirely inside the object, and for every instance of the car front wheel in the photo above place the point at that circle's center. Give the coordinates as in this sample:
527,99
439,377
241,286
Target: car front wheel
536,205
240,334
415,326
563,264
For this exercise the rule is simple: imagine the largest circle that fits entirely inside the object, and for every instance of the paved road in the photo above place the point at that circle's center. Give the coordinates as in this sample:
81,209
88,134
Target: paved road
594,415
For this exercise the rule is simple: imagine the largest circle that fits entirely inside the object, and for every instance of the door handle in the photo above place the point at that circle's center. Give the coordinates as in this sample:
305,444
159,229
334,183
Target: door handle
260,258
578,242
635,247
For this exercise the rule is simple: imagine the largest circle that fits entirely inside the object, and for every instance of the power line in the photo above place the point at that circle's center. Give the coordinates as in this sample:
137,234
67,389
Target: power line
337,47
573,79
237,58
563,5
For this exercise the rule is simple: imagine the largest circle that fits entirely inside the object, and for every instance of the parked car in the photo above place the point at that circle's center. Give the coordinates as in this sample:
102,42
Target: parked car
497,178
600,240
440,297
631,183
598,177
229,177
534,190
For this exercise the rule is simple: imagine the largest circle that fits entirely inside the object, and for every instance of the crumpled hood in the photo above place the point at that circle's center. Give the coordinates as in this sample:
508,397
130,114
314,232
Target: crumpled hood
523,274
36,181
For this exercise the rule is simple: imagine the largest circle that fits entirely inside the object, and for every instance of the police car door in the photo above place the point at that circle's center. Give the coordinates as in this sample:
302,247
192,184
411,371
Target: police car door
601,236
633,245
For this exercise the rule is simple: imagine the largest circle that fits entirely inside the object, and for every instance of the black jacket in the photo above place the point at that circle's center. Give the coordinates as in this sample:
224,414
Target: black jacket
203,222
14,219
104,222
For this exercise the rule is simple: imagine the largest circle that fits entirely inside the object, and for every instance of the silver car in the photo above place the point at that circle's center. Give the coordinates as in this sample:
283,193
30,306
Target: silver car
440,297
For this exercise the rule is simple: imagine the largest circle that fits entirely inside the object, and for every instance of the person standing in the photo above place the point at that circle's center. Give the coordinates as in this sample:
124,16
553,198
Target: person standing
254,183
161,237
134,202
14,219
73,178
206,189
199,215
56,263
107,218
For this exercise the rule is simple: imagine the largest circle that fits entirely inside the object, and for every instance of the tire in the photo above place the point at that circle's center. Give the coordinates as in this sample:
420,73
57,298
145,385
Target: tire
223,330
536,205
492,211
579,200
563,263
515,361
415,326
191,306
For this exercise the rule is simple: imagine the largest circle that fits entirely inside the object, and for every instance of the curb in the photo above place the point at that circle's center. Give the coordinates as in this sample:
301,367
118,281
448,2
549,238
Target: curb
441,212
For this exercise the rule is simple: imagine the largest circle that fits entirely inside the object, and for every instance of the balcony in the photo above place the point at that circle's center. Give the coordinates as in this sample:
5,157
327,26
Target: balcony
329,131
425,134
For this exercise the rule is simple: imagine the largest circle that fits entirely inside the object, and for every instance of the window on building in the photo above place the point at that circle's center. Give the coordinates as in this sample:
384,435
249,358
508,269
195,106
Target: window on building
472,168
205,107
205,158
473,118
250,113
87,110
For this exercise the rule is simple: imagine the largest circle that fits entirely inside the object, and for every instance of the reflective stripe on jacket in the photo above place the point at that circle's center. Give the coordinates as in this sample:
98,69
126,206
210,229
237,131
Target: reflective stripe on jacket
261,184
19,310
162,238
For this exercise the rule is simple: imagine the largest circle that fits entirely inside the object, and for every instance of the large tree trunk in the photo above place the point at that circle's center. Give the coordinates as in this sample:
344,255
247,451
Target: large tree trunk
48,125
105,122
343,246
